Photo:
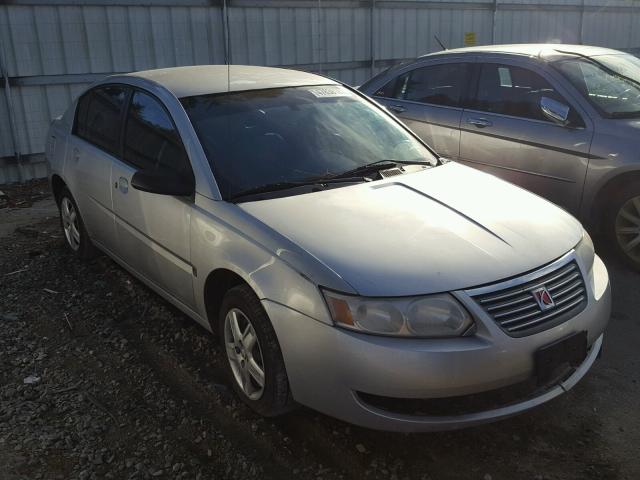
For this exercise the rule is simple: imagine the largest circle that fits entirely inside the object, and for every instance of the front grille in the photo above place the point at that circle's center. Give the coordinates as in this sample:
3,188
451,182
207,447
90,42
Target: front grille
517,312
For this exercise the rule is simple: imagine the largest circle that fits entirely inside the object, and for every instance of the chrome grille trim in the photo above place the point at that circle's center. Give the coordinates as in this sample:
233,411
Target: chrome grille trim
528,306
518,300
529,287
513,307
550,315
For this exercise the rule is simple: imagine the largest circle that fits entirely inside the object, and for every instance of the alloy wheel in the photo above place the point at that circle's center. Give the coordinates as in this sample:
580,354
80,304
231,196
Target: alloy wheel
244,353
627,228
70,223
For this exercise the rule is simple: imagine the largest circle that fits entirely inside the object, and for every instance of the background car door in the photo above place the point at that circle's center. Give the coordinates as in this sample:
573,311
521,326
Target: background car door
152,229
428,100
91,152
505,133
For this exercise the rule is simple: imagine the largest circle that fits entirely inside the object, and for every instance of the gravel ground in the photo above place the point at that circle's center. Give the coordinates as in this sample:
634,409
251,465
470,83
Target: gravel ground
101,378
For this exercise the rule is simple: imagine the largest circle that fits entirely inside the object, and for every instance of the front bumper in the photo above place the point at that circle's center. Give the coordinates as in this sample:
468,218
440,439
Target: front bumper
326,365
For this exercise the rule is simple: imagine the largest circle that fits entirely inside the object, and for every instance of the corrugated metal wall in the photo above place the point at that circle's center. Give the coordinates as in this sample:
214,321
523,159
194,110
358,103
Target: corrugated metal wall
52,50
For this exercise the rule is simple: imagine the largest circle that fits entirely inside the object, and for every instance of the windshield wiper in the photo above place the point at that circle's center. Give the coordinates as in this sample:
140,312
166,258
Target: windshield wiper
274,187
377,166
350,176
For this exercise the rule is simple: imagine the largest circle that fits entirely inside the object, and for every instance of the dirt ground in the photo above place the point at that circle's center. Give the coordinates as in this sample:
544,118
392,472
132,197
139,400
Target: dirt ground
101,378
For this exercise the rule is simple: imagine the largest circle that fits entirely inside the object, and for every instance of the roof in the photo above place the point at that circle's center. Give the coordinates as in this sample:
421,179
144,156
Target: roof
206,79
529,49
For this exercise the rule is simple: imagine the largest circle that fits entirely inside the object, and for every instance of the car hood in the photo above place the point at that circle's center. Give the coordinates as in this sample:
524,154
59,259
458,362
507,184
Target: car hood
441,229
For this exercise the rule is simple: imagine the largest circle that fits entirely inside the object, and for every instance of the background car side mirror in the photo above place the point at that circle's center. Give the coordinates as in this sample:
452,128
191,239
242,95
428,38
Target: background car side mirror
554,110
162,182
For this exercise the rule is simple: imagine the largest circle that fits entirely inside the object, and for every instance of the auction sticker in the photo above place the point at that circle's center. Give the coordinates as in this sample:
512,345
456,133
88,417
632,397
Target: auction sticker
331,91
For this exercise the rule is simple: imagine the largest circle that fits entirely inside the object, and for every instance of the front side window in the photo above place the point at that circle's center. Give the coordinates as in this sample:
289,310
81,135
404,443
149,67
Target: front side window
515,91
435,84
292,134
98,117
611,83
151,141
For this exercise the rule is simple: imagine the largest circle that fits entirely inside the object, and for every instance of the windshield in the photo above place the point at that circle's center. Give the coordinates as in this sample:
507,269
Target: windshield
610,82
294,134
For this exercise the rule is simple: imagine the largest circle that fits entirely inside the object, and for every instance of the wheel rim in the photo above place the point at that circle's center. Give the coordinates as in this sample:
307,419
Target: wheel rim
628,228
70,223
244,353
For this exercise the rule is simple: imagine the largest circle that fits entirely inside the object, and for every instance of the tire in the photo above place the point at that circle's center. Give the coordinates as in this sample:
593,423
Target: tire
74,232
622,224
272,398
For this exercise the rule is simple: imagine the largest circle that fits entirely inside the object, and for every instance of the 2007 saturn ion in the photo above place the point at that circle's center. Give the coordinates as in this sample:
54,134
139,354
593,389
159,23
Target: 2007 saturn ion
344,266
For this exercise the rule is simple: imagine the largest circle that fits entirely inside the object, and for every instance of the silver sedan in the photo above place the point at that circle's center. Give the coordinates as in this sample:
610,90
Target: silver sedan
340,262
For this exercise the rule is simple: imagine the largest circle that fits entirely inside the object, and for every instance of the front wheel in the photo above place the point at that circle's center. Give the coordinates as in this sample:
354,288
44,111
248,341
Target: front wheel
623,224
254,360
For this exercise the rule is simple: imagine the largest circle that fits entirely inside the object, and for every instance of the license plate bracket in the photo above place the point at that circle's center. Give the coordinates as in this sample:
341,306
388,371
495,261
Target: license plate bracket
556,359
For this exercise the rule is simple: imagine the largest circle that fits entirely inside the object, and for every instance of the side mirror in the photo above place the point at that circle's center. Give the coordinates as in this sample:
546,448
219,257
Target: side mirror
162,183
554,110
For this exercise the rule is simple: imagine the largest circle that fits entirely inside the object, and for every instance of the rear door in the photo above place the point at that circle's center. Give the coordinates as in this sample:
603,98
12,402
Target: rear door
505,133
152,229
428,99
91,151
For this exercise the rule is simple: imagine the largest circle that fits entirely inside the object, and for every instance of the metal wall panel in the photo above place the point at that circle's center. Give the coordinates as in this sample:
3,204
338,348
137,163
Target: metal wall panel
53,49
406,33
612,29
41,41
518,26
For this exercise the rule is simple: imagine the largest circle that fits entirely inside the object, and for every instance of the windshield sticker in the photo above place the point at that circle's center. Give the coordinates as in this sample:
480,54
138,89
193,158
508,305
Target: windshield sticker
324,92
505,77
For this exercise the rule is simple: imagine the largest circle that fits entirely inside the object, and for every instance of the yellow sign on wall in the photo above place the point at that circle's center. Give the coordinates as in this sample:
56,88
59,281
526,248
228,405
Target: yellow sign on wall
469,39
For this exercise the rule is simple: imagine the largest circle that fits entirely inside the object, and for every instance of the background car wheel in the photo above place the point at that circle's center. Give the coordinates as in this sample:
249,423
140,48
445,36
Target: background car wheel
254,360
73,228
622,223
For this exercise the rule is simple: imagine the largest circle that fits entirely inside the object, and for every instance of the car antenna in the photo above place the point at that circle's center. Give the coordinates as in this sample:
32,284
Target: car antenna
441,44
227,47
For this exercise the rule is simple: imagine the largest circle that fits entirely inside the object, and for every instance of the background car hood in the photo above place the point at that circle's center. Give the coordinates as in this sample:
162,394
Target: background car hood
442,229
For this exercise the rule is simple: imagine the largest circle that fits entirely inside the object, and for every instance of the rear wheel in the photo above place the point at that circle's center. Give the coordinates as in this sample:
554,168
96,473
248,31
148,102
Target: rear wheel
75,234
623,224
254,360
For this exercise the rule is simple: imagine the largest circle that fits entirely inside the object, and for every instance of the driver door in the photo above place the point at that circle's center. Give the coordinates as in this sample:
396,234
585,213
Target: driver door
505,133
153,230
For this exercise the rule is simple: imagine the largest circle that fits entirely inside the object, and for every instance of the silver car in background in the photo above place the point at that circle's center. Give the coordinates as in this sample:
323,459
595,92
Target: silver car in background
341,263
562,121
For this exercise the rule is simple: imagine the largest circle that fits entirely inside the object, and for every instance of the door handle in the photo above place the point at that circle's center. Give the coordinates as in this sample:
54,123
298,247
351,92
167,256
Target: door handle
397,108
123,185
479,122
76,154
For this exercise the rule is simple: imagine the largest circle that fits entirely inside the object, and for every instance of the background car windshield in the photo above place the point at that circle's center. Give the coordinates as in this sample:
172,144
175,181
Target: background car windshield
610,82
261,137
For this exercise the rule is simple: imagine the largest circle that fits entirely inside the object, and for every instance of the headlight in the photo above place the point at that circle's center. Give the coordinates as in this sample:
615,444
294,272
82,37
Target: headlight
585,251
438,315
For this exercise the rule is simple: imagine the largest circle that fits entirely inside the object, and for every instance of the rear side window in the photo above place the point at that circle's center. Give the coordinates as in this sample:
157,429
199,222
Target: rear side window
151,139
98,117
514,91
435,84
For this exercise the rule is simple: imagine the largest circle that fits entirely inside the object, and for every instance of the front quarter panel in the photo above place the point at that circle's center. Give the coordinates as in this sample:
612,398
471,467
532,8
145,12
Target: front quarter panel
614,154
223,236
